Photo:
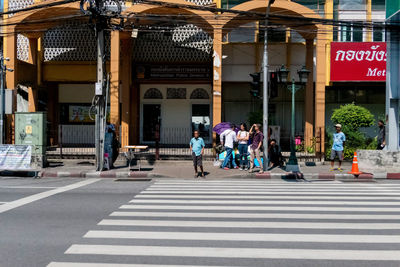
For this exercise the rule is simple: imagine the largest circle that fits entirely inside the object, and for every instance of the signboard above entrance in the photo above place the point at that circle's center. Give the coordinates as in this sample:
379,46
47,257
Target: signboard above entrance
175,72
364,61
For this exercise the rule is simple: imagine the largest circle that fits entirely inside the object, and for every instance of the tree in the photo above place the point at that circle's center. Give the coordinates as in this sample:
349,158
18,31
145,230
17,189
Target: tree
352,117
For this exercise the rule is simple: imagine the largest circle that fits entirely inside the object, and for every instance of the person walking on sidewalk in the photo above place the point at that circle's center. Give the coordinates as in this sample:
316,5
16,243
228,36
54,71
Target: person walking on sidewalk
381,135
243,139
197,146
339,138
228,138
255,148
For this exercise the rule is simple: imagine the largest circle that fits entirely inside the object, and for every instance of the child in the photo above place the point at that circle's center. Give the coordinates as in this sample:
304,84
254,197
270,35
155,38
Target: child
197,149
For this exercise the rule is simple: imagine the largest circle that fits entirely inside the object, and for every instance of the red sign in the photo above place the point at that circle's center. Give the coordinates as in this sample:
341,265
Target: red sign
358,61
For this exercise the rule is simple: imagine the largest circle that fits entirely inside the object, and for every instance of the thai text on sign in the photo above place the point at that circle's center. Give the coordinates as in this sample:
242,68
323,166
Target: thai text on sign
364,61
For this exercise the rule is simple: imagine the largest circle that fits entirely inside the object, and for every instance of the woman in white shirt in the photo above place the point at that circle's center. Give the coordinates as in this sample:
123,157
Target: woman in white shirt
243,139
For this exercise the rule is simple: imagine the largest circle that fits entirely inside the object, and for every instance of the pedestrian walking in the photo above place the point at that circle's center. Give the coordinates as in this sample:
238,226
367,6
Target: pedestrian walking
339,139
108,145
228,139
243,140
197,146
381,135
255,148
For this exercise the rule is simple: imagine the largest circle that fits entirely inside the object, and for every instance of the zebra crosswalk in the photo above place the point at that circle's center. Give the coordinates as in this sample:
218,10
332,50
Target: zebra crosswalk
246,223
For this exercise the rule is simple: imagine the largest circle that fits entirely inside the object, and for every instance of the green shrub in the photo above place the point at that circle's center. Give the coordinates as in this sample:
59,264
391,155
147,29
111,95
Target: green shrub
352,118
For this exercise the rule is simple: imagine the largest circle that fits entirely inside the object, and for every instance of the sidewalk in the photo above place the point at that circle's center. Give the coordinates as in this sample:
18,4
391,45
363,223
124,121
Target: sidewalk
184,169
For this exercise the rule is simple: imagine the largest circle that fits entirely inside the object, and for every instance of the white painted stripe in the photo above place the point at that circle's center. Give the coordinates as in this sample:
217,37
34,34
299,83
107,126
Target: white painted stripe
262,202
245,208
269,187
248,183
28,187
85,264
255,253
269,190
245,192
257,215
3,202
241,224
26,200
319,238
234,196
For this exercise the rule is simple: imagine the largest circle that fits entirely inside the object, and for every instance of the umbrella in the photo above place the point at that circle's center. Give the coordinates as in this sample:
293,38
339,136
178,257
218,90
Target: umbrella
221,127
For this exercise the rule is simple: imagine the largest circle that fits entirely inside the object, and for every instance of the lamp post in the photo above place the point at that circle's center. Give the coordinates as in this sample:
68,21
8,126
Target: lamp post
283,73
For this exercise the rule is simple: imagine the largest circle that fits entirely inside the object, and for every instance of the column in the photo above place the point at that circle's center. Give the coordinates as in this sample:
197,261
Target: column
320,88
328,36
369,20
34,59
309,95
10,51
115,80
126,74
217,78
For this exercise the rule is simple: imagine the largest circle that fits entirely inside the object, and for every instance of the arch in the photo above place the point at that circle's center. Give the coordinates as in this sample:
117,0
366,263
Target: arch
153,93
281,7
199,93
31,21
203,19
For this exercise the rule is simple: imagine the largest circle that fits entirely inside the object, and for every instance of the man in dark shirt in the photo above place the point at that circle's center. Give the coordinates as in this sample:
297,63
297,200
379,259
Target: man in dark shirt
255,148
381,135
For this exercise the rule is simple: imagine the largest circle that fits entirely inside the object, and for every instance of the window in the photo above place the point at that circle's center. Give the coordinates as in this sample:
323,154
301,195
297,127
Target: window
378,34
316,5
274,34
357,34
378,5
351,33
153,93
199,93
352,5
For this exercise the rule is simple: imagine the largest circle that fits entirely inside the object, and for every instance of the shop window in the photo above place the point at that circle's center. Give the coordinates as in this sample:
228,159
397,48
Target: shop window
176,93
153,93
199,93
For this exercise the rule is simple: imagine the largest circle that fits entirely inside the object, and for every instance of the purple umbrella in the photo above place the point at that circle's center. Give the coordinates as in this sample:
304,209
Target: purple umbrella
221,127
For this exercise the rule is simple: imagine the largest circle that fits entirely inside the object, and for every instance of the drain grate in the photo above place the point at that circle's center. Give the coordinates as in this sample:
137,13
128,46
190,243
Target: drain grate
133,180
358,181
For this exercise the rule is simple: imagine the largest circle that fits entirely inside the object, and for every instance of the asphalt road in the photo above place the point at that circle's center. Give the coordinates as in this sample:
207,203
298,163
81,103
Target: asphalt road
101,222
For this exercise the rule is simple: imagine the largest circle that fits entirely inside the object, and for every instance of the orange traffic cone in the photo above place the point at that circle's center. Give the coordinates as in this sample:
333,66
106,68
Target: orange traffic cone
354,167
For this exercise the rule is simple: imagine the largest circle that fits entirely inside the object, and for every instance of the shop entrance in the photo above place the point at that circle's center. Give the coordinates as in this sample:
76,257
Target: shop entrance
151,121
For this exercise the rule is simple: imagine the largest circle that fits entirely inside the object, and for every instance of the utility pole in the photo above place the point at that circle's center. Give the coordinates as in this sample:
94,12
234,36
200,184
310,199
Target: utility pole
3,70
98,12
265,86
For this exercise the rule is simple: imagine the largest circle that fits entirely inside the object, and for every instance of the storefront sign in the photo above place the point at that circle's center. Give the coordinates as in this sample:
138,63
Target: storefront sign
173,72
15,157
364,61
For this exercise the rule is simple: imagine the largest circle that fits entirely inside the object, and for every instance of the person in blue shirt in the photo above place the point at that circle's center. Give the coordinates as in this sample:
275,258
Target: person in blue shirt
338,146
197,149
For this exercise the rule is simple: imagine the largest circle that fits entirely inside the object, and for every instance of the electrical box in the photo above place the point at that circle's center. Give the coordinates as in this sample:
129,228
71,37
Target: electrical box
99,89
9,101
30,129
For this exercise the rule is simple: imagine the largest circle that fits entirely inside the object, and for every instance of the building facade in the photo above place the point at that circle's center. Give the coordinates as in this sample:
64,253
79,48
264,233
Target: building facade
188,68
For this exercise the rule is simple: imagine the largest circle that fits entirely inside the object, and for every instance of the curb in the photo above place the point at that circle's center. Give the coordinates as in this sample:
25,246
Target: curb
265,175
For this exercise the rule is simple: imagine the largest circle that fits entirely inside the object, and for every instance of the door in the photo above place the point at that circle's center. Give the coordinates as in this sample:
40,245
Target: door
201,120
151,121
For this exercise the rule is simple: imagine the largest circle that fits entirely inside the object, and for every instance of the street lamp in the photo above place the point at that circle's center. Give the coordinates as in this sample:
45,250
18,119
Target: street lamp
283,74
